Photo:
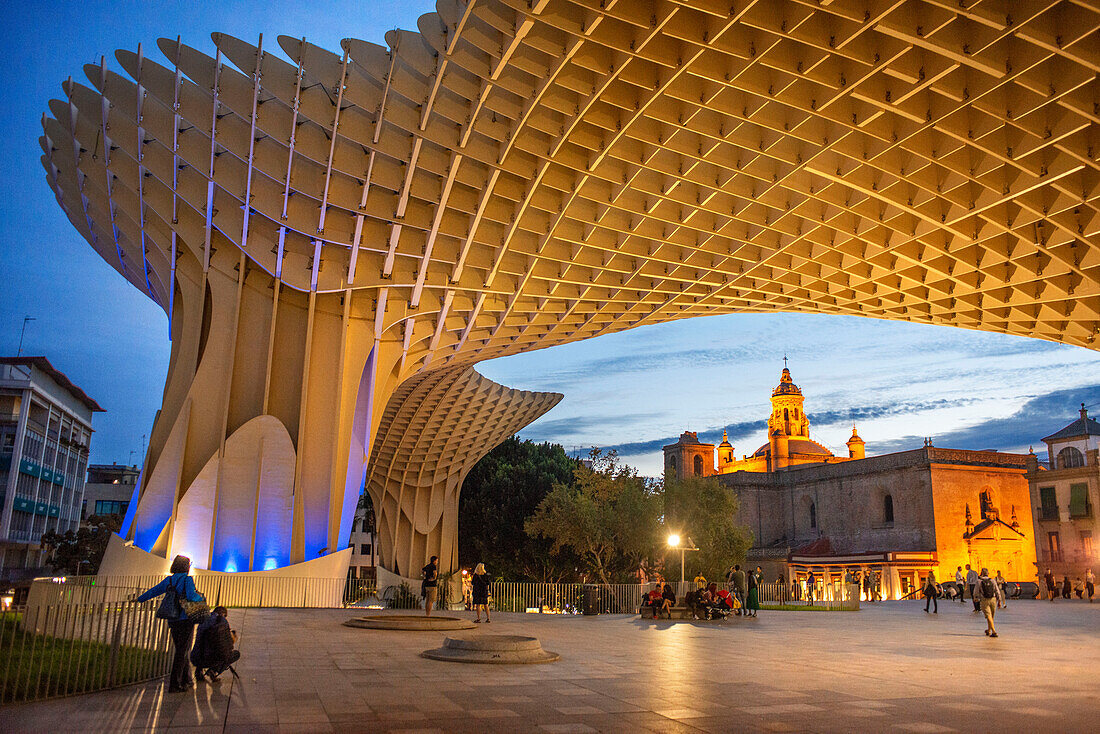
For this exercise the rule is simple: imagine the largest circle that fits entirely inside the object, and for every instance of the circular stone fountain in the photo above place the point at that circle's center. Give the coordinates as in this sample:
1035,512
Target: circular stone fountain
409,623
492,649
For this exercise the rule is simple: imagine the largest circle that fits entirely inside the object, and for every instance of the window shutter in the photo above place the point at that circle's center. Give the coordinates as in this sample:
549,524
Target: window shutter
1078,500
1050,503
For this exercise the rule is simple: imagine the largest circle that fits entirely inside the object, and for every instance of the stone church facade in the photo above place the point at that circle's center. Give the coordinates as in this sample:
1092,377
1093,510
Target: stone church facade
900,514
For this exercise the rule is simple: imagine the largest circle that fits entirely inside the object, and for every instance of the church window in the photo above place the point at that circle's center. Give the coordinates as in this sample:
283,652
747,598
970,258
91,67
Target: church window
672,463
1070,458
698,466
888,509
985,502
813,516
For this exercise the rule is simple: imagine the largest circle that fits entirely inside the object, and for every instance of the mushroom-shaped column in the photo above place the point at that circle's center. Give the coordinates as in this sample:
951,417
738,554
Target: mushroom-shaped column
434,429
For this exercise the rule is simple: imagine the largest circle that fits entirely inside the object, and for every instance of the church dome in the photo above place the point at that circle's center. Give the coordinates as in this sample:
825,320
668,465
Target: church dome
786,386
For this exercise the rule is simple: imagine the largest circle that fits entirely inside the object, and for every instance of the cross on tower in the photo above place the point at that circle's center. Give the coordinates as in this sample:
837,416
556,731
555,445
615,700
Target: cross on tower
784,361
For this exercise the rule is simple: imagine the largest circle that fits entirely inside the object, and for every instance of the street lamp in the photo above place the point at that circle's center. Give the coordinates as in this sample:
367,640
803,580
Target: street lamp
674,542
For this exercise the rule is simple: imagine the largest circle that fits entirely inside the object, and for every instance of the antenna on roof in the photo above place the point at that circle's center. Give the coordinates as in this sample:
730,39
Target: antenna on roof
24,331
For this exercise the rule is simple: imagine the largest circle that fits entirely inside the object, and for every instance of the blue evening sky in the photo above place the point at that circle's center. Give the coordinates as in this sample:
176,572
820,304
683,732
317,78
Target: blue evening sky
634,391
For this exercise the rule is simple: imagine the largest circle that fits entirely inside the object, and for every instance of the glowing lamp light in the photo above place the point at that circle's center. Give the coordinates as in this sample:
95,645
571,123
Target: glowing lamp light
231,567
270,563
674,540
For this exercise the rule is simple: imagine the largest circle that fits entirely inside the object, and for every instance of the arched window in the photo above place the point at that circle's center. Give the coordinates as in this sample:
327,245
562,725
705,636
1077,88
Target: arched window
1070,458
888,509
672,464
813,516
698,466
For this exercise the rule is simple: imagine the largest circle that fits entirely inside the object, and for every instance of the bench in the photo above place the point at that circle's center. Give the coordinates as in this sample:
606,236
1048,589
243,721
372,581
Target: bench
646,612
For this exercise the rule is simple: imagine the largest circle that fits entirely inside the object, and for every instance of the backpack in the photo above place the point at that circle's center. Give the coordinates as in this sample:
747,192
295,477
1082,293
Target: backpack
989,589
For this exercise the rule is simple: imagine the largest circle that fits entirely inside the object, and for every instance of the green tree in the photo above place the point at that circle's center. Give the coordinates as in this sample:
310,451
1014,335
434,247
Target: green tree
502,490
608,516
706,512
81,552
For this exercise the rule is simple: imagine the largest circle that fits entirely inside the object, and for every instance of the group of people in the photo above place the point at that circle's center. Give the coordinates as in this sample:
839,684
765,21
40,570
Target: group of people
987,593
213,650
745,588
964,583
1082,588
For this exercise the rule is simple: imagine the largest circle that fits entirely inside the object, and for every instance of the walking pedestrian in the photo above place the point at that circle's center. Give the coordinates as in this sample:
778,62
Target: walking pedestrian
987,587
1002,595
1066,588
178,585
930,593
971,583
987,590
479,592
960,585
810,583
1079,588
1090,584
429,587
1052,585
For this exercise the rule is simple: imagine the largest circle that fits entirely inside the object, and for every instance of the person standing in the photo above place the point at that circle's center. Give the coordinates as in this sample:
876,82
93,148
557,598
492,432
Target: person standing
729,580
1052,585
700,581
1066,588
479,592
810,583
987,588
1090,584
1002,596
960,585
876,588
740,588
180,585
971,582
930,593
752,606
430,586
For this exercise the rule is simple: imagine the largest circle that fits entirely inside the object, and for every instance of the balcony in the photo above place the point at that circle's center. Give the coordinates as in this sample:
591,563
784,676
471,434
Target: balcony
1049,514
1079,512
1066,556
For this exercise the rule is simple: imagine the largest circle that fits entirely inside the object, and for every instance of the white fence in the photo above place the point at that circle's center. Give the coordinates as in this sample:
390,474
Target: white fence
507,596
219,590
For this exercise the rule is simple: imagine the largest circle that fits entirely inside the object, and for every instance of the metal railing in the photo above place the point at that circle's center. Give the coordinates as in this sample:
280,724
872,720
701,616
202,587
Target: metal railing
73,646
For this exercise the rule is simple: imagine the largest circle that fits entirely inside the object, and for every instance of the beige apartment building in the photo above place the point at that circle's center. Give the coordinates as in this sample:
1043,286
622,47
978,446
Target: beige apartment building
1065,497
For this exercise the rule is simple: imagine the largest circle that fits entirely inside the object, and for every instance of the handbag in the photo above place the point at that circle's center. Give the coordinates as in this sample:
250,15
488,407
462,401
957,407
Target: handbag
169,606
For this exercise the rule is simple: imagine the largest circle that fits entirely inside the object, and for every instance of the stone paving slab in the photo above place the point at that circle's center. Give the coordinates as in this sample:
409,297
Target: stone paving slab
888,667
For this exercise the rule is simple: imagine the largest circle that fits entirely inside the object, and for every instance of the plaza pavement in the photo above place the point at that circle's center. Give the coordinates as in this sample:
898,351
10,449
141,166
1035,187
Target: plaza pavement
888,667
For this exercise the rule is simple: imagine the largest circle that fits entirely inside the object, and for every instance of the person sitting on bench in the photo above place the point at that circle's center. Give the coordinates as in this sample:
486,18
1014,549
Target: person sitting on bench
213,651
669,597
656,600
